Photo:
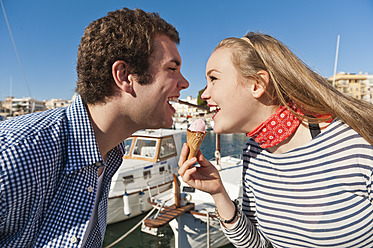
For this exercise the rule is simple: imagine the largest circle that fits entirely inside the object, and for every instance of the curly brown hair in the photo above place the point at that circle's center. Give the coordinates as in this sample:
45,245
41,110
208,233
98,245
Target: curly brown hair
121,35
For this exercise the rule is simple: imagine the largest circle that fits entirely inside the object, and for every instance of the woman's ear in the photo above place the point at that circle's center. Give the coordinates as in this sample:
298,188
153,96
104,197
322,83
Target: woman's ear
259,87
121,76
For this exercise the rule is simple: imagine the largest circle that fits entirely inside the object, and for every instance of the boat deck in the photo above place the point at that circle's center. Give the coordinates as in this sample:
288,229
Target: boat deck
168,214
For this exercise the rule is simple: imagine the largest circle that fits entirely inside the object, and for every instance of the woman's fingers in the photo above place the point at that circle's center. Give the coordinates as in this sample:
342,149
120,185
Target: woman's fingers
183,154
186,165
187,170
202,160
187,176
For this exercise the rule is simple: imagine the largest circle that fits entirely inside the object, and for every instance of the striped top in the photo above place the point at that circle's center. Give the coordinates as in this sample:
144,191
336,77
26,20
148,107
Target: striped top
317,195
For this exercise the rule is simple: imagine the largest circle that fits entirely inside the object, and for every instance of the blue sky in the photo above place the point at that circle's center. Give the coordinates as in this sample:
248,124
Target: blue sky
47,35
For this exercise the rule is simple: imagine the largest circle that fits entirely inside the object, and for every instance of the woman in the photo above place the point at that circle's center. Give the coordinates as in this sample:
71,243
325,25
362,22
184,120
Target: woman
307,174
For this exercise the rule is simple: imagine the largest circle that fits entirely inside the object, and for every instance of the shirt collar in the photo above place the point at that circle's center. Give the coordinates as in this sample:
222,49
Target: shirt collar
82,146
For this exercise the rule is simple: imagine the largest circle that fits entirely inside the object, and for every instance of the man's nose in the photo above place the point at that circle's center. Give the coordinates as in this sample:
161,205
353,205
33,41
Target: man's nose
183,83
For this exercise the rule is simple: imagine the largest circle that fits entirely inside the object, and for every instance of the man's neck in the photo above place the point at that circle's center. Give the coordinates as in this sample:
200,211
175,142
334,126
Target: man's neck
108,126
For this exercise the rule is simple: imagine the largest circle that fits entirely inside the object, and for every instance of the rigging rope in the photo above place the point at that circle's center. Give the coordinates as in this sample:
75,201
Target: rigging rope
130,231
15,49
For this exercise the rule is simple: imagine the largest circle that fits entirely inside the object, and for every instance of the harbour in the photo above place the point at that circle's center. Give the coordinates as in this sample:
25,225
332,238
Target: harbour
86,76
231,144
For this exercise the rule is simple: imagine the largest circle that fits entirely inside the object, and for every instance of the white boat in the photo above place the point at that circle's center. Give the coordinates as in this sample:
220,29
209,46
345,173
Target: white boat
199,226
181,125
147,170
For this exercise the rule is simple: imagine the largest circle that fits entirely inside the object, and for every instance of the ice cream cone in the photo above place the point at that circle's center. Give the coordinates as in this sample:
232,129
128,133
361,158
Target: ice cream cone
194,141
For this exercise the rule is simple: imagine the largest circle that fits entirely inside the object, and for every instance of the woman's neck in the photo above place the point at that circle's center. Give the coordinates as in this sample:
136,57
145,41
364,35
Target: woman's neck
300,137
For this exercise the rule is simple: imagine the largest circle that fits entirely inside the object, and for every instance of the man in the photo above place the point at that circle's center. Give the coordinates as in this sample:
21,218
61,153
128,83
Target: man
56,166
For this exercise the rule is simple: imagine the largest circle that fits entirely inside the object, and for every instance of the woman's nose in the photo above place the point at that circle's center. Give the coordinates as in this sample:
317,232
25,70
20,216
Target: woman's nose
205,94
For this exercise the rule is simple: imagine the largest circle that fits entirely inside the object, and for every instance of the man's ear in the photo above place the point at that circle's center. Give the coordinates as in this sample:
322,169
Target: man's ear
121,76
259,87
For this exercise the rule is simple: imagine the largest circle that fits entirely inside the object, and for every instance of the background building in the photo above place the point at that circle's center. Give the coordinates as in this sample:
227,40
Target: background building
57,103
359,86
186,114
183,110
18,106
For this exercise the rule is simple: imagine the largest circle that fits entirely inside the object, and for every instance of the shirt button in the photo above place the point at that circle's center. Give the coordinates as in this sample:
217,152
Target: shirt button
90,189
98,163
73,240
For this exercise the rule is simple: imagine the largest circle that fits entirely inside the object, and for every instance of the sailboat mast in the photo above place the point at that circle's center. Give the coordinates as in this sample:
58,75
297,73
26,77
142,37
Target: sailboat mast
15,48
336,60
10,86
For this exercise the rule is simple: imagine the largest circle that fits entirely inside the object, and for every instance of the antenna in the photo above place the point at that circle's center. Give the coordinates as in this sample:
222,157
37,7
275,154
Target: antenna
15,48
10,86
336,60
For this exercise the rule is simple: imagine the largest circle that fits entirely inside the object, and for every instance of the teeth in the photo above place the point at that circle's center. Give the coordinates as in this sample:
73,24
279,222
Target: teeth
172,99
214,108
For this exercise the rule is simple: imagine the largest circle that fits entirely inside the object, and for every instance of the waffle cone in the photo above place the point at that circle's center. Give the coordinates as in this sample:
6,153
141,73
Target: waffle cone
194,141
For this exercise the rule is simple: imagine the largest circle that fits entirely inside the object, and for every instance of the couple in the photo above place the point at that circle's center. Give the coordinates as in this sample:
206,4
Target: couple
307,164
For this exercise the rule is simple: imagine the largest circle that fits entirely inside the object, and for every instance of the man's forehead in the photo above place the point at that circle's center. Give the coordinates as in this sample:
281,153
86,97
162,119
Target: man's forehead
166,50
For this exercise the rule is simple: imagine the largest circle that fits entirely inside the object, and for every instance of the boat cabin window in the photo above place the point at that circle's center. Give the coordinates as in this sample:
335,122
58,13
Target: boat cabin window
188,189
161,170
128,179
145,148
147,174
167,147
127,144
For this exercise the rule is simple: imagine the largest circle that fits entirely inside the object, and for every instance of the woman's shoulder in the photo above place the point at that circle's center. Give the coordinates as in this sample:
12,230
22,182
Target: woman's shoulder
338,130
336,136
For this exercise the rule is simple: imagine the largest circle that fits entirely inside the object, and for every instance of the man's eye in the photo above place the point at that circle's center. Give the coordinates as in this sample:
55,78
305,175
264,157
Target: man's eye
172,69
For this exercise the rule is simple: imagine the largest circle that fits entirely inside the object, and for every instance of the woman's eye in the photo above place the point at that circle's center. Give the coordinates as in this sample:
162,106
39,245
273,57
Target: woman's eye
212,78
172,69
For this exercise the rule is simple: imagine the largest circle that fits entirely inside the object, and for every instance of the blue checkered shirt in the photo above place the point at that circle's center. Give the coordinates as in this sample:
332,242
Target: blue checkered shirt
49,162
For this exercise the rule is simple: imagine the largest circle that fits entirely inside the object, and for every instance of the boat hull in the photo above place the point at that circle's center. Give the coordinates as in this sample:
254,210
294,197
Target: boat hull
192,231
149,164
116,205
200,227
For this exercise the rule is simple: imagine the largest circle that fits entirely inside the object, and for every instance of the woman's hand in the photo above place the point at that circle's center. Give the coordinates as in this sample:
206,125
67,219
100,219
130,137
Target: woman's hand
205,178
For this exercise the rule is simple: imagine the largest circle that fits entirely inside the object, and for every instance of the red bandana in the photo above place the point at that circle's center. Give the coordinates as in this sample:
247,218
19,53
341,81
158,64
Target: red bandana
276,128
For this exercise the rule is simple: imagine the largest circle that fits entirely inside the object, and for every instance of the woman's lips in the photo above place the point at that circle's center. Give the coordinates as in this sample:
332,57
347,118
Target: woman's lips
215,109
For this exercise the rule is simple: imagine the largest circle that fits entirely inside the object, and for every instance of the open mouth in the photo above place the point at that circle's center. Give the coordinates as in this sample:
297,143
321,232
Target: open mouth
215,109
172,99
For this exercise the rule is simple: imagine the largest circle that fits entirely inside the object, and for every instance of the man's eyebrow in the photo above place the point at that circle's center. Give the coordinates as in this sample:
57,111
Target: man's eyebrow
176,61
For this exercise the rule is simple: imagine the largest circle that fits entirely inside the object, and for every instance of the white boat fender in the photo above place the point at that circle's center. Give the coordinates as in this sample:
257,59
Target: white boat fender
142,201
185,199
218,160
150,192
126,204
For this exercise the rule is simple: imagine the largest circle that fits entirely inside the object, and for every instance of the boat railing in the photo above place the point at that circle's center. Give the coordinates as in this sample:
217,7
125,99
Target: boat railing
237,156
208,216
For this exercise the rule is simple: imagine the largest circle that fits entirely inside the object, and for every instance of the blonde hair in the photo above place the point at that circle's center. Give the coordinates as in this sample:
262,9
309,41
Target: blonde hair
292,81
